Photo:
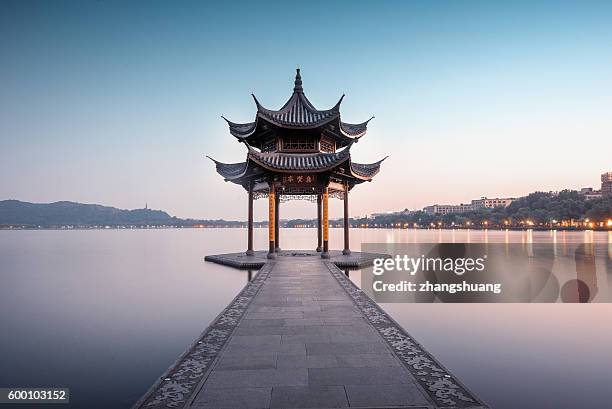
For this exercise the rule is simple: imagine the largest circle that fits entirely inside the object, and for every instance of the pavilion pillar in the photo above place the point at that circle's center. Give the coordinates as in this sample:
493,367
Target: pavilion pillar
271,220
250,251
347,249
325,252
319,227
276,223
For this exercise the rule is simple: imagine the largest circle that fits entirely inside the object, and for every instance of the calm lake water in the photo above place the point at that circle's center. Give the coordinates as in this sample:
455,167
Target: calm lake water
105,312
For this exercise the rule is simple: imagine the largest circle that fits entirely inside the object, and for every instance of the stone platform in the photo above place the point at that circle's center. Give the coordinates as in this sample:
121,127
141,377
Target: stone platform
241,260
302,335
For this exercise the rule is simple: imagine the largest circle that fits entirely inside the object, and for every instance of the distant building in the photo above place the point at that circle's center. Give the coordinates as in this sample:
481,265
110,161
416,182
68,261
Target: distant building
606,183
595,194
490,203
606,188
404,212
476,204
589,193
448,209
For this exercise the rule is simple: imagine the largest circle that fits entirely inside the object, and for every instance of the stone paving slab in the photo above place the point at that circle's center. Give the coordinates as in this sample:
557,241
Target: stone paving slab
301,335
309,397
250,378
382,395
232,362
361,376
306,361
232,398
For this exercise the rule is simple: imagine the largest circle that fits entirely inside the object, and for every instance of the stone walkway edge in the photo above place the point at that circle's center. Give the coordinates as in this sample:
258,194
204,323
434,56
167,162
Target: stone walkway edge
445,389
174,388
181,383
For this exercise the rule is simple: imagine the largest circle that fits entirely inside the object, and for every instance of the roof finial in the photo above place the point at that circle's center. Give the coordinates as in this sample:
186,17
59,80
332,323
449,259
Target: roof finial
298,81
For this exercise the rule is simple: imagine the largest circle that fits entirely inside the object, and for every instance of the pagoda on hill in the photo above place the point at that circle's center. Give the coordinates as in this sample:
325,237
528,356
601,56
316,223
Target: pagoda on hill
298,152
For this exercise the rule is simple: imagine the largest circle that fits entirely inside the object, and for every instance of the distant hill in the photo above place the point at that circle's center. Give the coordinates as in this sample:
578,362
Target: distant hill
15,212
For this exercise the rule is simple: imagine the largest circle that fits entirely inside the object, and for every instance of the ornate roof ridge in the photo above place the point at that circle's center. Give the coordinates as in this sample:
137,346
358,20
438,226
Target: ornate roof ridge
241,130
298,97
354,130
366,171
298,110
313,162
378,162
230,171
298,82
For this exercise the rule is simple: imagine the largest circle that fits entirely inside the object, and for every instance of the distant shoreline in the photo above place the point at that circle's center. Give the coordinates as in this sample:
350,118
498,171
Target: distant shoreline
564,211
80,228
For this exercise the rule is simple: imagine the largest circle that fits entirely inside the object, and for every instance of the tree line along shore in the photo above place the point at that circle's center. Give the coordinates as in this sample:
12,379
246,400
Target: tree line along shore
540,210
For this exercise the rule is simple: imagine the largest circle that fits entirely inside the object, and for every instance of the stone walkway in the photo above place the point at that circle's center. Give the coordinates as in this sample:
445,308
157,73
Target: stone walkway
303,343
301,335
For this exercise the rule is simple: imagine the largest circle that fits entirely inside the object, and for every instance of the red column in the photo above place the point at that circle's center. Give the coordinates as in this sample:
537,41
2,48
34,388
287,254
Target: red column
250,251
325,253
276,224
347,249
271,219
319,226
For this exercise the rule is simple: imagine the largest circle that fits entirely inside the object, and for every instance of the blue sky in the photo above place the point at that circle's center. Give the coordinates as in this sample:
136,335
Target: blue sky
118,102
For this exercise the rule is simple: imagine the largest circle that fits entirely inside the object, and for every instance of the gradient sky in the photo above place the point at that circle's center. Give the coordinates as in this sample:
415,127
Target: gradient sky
118,102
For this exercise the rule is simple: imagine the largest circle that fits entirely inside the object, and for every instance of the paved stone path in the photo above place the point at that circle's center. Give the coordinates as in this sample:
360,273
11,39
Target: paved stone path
303,343
302,335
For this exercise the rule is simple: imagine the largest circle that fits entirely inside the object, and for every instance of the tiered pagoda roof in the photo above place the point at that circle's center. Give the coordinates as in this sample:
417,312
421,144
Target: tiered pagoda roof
297,118
298,113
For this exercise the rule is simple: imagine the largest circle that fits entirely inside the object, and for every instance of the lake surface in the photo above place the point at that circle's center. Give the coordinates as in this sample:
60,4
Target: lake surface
105,312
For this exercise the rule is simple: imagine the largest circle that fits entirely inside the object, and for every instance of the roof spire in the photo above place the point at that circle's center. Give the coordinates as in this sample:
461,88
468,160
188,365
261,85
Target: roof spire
298,82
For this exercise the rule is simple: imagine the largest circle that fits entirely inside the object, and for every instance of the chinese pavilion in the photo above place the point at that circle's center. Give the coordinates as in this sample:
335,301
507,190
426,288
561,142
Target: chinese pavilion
298,152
